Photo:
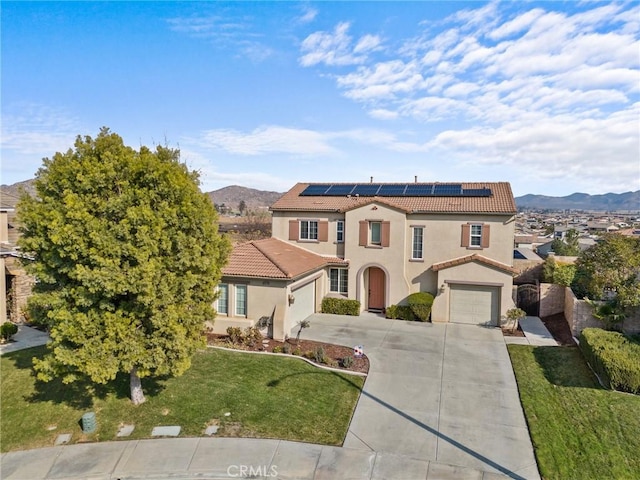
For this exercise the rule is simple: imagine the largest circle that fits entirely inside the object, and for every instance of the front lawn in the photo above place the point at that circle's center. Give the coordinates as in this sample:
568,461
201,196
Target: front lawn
266,397
579,430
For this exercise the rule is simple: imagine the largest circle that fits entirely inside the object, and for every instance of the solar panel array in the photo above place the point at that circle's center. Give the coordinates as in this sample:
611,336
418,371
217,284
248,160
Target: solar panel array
393,190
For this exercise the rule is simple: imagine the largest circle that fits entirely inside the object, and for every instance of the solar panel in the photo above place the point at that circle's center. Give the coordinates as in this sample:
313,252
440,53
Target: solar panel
313,190
366,189
392,190
476,192
447,190
418,190
339,190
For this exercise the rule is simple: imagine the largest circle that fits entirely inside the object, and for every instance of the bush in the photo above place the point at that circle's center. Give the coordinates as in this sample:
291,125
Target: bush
286,349
318,354
277,349
346,362
297,352
420,304
614,357
235,334
8,330
340,306
401,312
250,336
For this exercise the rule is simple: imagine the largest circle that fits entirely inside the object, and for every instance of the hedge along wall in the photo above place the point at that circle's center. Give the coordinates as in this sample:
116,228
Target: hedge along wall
614,358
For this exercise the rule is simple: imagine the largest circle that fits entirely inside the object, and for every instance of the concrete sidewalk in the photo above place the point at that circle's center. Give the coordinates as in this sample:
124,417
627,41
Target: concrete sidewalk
26,337
222,458
535,333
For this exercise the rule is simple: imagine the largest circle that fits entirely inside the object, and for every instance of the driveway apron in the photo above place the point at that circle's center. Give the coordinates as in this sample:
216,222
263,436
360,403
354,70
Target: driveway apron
444,393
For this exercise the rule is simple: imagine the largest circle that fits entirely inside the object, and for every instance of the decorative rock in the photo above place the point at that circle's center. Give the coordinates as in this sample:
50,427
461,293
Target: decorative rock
172,431
212,430
125,430
63,438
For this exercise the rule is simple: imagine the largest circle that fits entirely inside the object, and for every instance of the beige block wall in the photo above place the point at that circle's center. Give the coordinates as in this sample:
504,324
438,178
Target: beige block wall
476,273
578,314
552,301
4,227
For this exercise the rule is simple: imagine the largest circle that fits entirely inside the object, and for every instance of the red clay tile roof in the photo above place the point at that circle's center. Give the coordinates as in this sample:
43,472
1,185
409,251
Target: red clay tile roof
273,258
472,258
500,201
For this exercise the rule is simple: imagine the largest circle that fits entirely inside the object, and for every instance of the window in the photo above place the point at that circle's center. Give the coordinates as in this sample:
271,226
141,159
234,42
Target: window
375,236
475,240
308,229
338,280
223,298
416,250
340,231
241,300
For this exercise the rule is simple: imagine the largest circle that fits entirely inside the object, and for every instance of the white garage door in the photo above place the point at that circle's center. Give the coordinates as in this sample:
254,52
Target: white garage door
304,304
474,304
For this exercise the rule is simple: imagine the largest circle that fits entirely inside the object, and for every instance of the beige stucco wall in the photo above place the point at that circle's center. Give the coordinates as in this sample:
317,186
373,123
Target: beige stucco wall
441,242
3,292
474,273
4,226
552,299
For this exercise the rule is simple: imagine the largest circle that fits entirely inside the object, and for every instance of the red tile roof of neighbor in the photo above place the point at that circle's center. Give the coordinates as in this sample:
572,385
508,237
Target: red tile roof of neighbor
273,258
500,201
473,258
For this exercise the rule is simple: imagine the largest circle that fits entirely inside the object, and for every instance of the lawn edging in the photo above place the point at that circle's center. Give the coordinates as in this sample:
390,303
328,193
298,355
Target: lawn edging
322,367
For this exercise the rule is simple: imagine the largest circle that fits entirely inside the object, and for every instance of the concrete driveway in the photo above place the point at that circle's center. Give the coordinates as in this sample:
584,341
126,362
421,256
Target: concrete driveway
444,393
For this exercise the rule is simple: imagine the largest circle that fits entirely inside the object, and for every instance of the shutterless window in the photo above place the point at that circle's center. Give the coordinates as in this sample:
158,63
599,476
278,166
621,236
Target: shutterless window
338,280
223,298
476,236
340,231
241,300
375,235
418,237
308,229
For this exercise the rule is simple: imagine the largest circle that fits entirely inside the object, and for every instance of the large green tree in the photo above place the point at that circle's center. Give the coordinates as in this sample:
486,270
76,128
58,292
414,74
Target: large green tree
127,255
611,265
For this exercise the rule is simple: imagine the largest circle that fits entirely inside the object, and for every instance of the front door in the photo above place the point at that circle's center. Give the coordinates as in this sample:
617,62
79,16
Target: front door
376,289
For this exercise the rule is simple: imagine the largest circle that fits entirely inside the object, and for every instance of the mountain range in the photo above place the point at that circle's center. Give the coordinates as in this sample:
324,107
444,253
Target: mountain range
232,196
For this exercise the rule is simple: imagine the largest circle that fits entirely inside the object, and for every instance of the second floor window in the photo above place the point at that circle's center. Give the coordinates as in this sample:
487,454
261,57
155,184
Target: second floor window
375,233
340,231
475,240
308,230
416,250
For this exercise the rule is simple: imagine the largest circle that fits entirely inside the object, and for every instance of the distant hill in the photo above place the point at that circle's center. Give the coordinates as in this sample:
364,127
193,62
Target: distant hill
583,201
233,195
10,194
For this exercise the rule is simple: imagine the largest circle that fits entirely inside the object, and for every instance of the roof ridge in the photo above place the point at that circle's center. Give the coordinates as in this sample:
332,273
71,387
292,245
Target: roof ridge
277,264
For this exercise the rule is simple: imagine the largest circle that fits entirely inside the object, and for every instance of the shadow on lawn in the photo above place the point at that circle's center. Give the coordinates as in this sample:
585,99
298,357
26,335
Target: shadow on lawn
81,393
565,367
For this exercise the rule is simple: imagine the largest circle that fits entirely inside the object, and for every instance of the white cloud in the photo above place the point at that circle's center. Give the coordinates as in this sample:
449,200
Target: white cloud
309,15
336,48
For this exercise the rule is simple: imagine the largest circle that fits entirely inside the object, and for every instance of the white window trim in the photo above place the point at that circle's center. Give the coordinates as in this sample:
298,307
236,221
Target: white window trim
246,300
413,242
371,242
218,302
477,236
341,282
308,237
340,231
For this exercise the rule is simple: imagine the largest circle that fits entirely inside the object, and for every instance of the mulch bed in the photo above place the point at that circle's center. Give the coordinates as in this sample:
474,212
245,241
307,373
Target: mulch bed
334,353
507,332
559,328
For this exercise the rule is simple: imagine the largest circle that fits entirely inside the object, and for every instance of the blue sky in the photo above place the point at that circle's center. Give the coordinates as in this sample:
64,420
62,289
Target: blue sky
545,95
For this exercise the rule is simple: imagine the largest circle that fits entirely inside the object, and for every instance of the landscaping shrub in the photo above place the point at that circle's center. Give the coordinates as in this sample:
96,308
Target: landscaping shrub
249,336
8,330
420,304
235,334
340,306
318,354
346,362
614,357
286,348
277,349
401,312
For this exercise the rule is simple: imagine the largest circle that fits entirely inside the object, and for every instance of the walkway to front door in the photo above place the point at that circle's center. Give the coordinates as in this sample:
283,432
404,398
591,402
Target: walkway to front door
377,284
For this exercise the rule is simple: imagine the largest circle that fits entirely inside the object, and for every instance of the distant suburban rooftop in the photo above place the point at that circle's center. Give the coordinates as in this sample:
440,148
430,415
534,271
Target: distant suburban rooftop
485,197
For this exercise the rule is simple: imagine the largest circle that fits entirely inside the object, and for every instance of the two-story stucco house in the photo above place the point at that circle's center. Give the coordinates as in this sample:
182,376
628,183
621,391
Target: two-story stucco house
378,243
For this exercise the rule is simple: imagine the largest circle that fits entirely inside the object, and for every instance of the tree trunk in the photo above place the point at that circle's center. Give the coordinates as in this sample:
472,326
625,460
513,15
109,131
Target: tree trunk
137,395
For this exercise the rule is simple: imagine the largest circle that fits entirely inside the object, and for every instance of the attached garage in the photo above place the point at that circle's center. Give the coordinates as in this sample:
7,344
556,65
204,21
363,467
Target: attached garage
474,304
304,303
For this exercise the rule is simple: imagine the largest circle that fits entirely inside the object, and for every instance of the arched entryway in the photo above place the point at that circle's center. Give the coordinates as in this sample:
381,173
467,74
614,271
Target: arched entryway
377,285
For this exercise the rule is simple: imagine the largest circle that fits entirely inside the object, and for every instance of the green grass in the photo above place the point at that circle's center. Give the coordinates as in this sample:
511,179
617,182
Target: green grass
579,430
267,396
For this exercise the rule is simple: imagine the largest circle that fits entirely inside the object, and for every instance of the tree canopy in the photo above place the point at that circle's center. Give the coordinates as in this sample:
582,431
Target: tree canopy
127,255
567,247
610,268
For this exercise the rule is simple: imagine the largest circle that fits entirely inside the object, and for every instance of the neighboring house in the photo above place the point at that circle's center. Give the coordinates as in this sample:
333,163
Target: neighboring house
378,243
